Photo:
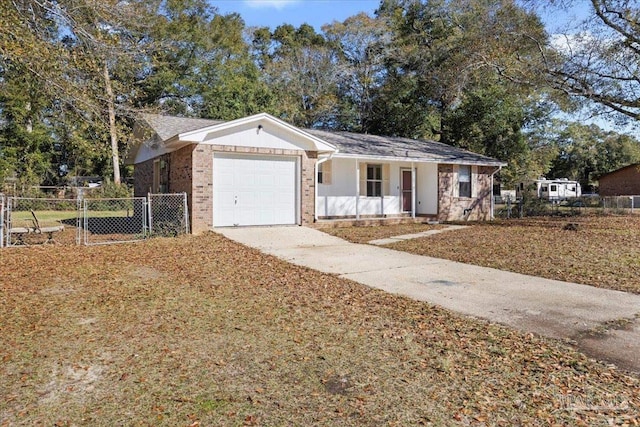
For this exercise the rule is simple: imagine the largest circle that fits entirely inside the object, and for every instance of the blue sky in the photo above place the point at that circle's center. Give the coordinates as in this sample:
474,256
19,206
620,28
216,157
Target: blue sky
272,13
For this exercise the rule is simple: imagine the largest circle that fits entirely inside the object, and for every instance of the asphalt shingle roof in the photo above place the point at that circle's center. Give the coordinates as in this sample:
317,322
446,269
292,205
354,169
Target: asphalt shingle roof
348,143
169,126
388,146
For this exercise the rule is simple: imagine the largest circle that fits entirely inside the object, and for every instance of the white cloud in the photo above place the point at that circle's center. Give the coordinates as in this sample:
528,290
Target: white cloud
572,43
277,4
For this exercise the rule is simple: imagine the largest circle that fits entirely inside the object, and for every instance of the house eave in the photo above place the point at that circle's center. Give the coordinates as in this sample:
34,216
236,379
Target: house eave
417,160
207,133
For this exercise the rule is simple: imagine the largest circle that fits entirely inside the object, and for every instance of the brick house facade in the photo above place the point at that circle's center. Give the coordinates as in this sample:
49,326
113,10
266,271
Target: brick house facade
453,207
621,182
370,173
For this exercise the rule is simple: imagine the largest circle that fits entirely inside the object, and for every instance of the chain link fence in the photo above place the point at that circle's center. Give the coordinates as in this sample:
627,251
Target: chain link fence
621,204
39,220
168,215
596,205
113,220
91,221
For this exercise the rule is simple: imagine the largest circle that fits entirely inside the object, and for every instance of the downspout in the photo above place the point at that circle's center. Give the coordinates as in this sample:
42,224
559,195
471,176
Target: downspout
413,191
492,202
315,187
357,189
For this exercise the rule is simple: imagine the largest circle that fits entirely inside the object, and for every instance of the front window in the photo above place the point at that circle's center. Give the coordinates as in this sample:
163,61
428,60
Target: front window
464,181
374,180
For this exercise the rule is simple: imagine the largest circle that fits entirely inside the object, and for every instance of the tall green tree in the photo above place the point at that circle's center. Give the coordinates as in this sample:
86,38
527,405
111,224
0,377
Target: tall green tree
454,73
88,52
586,151
302,70
444,49
26,144
362,43
201,64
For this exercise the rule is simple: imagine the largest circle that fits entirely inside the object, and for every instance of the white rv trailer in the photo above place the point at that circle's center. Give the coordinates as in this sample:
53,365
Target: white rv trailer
557,189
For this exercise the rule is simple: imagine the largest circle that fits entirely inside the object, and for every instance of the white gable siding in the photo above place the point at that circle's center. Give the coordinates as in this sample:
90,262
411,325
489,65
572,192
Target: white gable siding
266,137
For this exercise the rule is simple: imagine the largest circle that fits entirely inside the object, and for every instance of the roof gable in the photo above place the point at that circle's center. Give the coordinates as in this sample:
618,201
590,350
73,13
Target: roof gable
158,134
612,174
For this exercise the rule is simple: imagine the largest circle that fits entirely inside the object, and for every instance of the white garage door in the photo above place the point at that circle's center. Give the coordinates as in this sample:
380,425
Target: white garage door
254,190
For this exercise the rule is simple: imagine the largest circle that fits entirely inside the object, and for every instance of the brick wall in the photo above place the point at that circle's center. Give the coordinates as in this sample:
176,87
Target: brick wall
202,204
623,182
451,208
308,193
142,178
202,189
191,172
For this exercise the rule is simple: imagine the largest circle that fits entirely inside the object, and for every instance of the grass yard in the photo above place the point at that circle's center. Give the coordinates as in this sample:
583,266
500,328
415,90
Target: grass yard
200,331
65,216
603,252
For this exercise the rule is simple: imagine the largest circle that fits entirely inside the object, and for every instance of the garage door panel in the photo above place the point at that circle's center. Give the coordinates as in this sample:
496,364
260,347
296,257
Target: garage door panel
254,190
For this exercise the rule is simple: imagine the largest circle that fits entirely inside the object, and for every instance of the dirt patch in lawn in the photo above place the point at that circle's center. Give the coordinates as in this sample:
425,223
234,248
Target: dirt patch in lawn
202,331
600,251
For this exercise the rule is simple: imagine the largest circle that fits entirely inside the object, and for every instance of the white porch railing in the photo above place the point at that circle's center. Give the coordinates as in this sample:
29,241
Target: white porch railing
338,206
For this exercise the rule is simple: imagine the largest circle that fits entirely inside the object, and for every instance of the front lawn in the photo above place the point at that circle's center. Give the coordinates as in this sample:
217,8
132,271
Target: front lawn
366,234
200,331
603,251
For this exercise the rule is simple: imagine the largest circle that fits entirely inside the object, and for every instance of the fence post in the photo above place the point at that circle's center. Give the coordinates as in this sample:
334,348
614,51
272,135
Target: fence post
149,213
186,214
1,220
79,218
9,204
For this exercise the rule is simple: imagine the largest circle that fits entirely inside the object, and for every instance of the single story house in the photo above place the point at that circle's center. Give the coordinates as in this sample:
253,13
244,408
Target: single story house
621,182
260,170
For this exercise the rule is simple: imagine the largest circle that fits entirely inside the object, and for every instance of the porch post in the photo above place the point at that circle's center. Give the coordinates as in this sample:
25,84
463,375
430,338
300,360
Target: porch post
413,191
357,189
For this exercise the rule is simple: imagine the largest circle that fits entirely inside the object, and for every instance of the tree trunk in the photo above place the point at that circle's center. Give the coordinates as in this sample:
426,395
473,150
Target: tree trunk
113,132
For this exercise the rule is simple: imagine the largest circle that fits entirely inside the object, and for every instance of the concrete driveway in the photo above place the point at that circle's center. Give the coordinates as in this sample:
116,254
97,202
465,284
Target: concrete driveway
602,323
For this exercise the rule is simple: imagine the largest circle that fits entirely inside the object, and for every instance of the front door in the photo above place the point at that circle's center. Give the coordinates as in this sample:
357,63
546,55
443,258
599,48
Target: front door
405,190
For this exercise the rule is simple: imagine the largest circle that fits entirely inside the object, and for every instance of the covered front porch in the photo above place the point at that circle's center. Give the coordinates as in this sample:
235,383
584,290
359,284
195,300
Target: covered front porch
366,188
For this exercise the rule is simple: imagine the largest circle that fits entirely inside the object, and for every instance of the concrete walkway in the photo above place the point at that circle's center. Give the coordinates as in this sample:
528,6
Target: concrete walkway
394,239
550,308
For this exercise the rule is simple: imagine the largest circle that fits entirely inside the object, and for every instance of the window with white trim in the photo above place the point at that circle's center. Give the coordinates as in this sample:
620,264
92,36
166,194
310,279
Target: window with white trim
464,181
374,180
324,172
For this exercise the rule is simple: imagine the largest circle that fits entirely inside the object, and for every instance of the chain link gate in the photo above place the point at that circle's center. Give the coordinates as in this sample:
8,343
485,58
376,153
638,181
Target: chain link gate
168,214
26,221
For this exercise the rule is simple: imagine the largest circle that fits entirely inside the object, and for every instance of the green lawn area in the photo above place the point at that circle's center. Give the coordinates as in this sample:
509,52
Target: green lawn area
57,216
602,252
199,330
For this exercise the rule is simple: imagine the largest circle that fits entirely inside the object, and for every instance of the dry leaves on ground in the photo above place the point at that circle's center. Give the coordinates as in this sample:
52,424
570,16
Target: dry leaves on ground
203,331
602,251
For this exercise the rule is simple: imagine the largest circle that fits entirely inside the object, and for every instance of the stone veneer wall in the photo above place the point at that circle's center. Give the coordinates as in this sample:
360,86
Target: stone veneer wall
452,208
201,206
